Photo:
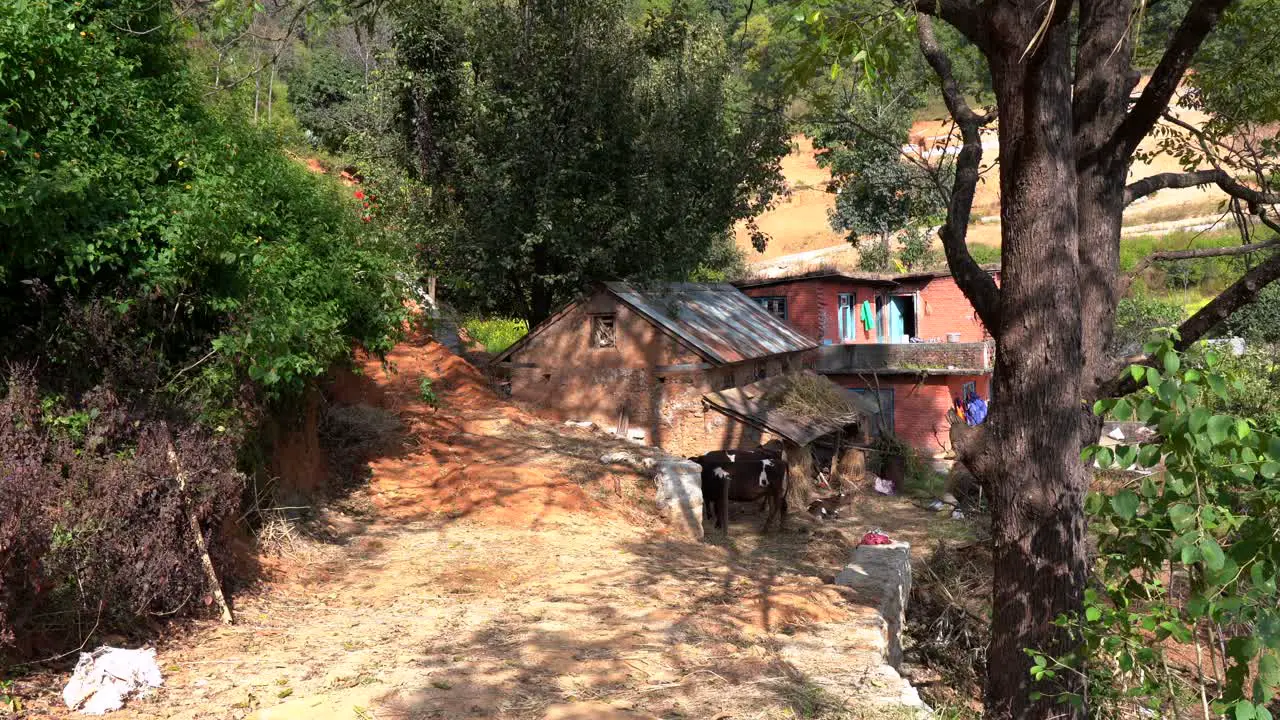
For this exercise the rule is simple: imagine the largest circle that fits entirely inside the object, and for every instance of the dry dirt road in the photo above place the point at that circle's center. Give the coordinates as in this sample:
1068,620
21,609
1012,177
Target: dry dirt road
492,568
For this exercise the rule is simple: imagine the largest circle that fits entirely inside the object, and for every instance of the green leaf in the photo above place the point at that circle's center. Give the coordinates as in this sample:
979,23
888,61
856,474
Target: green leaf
1191,375
1244,711
1146,409
1099,407
1269,670
1219,386
1182,516
1219,426
1243,429
1092,614
1126,456
1171,362
1198,418
1138,372
1125,503
1244,472
1122,410
1104,457
1212,552
1149,456
1269,470
1153,377
1190,554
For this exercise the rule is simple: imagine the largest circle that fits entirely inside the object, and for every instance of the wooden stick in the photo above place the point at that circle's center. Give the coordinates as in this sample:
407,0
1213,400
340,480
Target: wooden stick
207,561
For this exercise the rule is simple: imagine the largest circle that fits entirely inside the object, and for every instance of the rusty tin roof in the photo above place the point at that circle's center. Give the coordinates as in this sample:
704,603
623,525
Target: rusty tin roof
757,405
719,321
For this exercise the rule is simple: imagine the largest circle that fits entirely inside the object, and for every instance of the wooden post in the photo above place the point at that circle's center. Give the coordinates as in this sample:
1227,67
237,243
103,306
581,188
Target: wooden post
207,561
833,479
431,289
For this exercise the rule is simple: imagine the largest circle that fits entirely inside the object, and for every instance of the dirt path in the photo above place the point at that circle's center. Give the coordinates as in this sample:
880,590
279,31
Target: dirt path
494,568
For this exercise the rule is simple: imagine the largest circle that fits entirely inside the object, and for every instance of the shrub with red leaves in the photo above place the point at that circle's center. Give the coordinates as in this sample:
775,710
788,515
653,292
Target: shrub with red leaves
93,529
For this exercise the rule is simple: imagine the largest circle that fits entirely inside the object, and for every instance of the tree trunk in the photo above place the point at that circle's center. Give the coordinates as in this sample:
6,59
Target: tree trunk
1103,80
1037,480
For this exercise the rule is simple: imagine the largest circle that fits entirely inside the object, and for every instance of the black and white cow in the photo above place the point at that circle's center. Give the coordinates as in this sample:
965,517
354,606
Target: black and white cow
743,476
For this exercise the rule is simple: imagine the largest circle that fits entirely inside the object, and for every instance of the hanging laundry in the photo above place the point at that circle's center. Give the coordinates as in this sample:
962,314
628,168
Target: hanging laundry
868,316
975,409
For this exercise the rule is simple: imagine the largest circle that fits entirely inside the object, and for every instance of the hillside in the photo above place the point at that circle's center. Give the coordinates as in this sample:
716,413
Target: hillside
800,233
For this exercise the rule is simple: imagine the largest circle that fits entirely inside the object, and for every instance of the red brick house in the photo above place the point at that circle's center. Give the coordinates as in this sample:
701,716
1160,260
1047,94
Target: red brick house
641,359
910,340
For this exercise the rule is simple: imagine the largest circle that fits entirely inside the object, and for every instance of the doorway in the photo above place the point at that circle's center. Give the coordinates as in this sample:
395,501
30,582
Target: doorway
899,312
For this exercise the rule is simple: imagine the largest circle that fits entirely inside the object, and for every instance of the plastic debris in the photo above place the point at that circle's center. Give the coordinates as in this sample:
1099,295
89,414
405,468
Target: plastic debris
875,537
883,486
105,678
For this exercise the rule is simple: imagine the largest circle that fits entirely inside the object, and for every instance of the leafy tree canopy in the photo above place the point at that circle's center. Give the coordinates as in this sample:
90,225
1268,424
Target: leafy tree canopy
565,144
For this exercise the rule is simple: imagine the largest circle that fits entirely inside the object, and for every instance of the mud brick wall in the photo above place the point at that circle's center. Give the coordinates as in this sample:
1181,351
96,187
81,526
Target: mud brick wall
561,373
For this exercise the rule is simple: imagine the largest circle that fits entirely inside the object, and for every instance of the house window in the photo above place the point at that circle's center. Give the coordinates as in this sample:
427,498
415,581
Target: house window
969,387
775,306
603,331
762,371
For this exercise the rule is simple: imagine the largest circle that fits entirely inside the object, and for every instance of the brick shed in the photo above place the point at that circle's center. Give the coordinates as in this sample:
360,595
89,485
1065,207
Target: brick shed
641,358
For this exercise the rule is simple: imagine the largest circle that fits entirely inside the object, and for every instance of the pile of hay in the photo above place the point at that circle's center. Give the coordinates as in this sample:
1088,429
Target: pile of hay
810,396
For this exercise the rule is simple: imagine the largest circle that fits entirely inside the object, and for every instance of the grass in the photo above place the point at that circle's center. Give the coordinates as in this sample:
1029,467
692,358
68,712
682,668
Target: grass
1167,213
495,333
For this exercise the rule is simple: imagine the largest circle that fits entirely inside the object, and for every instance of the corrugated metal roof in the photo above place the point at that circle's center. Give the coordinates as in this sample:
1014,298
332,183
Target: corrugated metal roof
757,405
870,278
718,321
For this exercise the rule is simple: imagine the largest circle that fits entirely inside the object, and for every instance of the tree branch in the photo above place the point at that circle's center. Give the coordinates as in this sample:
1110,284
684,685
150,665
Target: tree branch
963,15
1203,253
1199,21
1241,293
975,282
1146,186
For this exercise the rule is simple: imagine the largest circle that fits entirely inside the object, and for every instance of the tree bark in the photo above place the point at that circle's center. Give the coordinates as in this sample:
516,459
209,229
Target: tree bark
1103,81
1037,489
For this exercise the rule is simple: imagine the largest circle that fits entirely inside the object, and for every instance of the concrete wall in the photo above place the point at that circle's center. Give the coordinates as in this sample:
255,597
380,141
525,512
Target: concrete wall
902,356
921,404
813,304
559,371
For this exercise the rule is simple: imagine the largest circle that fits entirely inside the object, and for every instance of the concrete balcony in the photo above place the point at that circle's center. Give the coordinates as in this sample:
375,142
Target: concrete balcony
908,358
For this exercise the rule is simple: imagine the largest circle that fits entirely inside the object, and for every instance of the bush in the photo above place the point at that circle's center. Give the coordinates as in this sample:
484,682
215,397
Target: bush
95,524
170,271
1137,317
985,254
1258,322
496,333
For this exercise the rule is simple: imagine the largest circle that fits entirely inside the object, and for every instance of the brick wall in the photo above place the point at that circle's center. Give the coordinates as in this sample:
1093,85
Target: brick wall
921,405
944,309
813,307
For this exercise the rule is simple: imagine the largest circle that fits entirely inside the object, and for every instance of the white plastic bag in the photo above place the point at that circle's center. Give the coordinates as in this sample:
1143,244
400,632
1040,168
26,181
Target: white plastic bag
106,677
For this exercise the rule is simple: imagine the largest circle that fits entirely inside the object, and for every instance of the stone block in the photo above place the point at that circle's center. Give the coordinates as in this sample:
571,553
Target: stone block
679,495
883,571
